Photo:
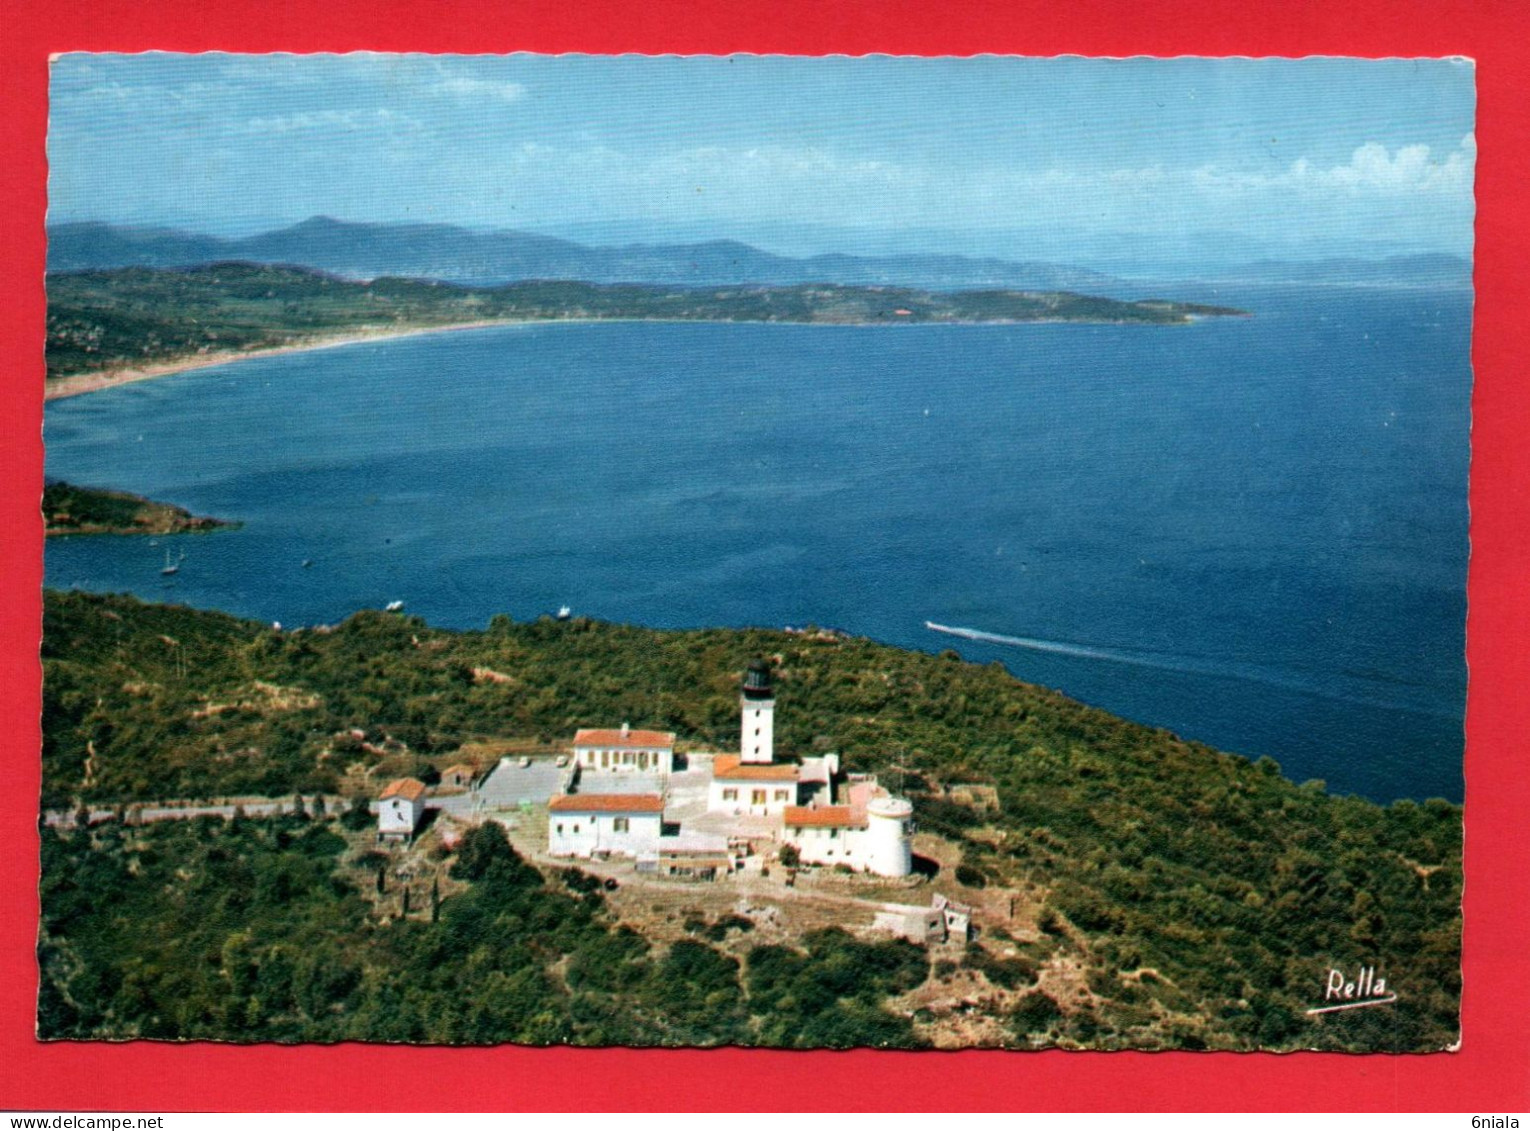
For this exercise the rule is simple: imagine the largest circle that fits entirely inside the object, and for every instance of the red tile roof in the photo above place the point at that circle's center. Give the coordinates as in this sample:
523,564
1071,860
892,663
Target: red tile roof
607,803
823,817
407,788
631,738
729,767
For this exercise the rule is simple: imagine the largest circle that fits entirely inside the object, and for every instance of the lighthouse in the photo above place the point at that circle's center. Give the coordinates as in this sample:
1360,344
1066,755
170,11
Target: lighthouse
757,709
889,837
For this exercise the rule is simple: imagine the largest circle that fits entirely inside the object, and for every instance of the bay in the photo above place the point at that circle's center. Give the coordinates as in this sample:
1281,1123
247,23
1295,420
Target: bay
1252,532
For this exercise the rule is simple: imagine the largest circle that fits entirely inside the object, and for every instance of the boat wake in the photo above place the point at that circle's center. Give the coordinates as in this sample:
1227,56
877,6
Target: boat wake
1059,647
1370,694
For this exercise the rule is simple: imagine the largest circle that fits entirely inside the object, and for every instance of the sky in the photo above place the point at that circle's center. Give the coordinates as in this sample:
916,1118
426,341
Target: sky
994,154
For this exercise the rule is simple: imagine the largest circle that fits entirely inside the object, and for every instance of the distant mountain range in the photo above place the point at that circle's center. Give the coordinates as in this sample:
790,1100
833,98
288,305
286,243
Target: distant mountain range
442,251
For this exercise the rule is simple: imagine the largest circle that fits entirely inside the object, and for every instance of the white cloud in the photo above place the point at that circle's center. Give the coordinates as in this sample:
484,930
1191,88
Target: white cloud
1372,169
465,87
310,121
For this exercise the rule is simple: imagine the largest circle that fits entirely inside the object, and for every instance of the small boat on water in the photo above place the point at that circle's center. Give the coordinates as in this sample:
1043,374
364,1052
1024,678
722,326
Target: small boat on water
564,612
393,606
172,567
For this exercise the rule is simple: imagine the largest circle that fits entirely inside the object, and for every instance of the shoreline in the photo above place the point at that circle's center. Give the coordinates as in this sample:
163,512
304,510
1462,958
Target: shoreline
79,384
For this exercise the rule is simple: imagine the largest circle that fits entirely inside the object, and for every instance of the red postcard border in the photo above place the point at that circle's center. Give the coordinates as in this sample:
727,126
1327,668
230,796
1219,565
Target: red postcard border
1490,1072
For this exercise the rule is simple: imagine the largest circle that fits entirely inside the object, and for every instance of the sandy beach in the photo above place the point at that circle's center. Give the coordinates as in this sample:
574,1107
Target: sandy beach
78,384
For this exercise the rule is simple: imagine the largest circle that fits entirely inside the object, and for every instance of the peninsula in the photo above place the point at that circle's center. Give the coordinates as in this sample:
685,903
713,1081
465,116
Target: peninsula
68,509
106,327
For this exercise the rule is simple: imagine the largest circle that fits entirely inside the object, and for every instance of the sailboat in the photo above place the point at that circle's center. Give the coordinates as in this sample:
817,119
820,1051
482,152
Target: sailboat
172,567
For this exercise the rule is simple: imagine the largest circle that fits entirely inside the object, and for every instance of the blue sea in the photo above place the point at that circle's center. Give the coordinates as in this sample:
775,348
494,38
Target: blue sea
1251,531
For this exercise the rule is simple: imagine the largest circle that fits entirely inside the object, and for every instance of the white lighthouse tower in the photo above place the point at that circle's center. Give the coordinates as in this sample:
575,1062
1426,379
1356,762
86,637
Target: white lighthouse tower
757,711
889,836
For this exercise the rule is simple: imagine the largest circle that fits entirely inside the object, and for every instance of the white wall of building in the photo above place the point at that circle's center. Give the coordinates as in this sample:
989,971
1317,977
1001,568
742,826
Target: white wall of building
754,798
398,816
882,845
828,846
626,759
757,733
890,836
584,834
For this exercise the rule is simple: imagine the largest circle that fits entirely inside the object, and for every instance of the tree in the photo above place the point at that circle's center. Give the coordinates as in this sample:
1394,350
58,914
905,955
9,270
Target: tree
1034,1013
358,816
485,854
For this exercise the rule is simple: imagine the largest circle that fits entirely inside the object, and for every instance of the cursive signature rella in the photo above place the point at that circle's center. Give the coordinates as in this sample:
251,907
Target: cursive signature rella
1363,990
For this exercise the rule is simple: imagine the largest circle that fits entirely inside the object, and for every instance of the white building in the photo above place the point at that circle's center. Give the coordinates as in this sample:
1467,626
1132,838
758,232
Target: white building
755,790
873,833
828,817
825,834
618,824
400,809
625,750
757,716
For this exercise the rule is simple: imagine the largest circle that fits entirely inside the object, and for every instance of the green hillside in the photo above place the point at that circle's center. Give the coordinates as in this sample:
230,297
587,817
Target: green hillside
100,320
1204,897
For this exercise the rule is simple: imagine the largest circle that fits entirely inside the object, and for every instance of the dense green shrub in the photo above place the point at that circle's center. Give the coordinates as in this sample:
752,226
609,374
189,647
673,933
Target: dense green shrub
1231,883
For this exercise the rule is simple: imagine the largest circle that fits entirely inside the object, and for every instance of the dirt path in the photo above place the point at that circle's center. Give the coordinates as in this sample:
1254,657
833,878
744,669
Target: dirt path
177,810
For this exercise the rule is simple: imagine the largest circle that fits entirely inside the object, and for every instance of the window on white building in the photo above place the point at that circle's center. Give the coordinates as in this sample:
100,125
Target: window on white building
619,825
730,795
757,797
780,795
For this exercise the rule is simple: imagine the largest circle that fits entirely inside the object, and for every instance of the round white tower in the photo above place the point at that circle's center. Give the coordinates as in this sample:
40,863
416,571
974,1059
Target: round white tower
890,836
757,711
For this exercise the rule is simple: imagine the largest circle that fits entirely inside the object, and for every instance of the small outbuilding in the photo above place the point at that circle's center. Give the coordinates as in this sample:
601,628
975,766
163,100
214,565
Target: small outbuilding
957,916
400,809
922,925
693,856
